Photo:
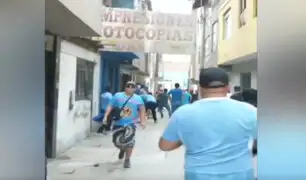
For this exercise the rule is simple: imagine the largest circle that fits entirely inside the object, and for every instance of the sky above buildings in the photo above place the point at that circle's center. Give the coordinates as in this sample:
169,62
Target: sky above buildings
179,75
172,6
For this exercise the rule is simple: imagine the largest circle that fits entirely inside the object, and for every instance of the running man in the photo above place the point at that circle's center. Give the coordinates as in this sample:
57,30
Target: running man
176,97
150,104
106,98
125,127
215,131
163,102
186,97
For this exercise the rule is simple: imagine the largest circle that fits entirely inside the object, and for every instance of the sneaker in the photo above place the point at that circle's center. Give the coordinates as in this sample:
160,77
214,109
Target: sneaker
127,163
121,154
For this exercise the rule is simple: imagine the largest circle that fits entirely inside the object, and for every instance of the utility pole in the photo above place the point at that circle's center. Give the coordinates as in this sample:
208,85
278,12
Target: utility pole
203,42
144,6
156,71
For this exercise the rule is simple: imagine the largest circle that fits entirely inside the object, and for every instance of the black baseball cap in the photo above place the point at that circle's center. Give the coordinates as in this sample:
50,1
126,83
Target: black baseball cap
213,77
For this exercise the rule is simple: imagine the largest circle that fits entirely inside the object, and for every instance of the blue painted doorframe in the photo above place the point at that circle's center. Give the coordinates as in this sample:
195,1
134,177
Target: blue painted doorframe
112,60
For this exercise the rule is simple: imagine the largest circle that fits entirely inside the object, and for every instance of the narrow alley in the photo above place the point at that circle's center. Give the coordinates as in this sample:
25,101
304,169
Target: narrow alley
96,158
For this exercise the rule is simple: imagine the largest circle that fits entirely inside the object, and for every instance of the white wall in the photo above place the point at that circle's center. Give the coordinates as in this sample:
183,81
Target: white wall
234,80
71,127
243,68
88,11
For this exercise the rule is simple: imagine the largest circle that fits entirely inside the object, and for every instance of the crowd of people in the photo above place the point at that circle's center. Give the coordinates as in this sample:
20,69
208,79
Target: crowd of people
153,103
215,129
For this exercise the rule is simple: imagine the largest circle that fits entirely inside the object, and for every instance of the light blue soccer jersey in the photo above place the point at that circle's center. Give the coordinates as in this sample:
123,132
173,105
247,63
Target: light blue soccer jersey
130,111
186,98
148,98
176,96
105,100
216,133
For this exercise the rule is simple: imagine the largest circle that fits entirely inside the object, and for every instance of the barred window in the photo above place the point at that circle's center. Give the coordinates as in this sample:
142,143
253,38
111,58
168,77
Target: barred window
84,80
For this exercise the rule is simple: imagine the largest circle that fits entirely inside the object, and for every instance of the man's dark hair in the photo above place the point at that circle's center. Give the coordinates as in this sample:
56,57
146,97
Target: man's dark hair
165,90
107,89
150,93
176,85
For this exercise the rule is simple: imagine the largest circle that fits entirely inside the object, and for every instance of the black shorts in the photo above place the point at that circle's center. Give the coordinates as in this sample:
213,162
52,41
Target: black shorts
124,136
151,105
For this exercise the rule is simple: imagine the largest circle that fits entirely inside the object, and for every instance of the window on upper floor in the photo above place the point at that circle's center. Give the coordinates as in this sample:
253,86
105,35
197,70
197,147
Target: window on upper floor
214,41
242,14
255,8
107,3
123,4
227,24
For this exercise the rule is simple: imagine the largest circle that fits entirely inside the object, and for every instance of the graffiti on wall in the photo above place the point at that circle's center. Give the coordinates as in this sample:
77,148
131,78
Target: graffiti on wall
81,110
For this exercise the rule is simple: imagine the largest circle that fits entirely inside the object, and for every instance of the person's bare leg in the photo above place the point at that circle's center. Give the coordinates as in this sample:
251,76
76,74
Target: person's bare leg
154,114
121,154
128,154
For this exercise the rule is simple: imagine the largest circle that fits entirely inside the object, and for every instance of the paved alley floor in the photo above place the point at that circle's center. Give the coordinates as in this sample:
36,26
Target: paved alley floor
148,161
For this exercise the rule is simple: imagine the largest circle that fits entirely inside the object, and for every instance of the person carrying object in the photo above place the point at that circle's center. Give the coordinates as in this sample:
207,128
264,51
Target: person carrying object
127,108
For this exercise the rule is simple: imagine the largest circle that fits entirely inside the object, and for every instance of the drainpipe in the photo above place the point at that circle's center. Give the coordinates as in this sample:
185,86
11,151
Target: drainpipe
144,5
156,71
203,50
56,49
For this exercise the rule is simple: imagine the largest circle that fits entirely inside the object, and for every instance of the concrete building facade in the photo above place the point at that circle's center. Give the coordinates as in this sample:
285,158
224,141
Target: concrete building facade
120,67
229,40
206,54
237,47
71,72
78,93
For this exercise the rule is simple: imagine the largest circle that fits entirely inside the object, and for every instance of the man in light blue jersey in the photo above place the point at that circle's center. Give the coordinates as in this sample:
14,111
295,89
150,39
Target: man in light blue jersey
215,131
186,97
106,98
131,108
150,104
176,97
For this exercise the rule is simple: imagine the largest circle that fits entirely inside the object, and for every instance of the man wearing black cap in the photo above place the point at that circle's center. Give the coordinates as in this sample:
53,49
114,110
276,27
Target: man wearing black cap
215,131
